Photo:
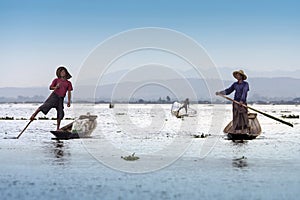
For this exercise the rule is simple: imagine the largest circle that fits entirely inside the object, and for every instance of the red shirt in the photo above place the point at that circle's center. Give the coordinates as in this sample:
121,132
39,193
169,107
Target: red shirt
64,86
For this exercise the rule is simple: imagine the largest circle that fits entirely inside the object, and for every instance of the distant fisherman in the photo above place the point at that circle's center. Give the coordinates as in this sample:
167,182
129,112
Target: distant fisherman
61,85
185,105
240,113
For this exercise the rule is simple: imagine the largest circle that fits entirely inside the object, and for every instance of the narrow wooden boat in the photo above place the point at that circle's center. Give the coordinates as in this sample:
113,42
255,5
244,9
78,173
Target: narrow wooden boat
80,128
253,131
65,133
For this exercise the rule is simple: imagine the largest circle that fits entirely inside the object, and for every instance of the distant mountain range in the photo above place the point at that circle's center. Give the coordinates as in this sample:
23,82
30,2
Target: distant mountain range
261,89
264,86
226,73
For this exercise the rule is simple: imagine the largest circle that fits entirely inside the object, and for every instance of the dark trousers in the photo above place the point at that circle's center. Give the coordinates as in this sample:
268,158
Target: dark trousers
240,118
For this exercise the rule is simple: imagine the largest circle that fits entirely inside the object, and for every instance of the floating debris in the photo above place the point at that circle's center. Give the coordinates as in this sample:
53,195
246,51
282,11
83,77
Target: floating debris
130,157
285,111
39,118
201,136
69,118
240,162
241,158
290,116
43,118
7,118
120,113
22,118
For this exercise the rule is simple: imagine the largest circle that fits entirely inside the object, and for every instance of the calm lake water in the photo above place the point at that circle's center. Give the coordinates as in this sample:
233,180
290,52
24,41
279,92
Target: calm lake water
172,163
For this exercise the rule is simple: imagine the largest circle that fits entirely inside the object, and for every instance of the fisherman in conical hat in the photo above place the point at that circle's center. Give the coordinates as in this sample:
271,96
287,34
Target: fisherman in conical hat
240,113
60,86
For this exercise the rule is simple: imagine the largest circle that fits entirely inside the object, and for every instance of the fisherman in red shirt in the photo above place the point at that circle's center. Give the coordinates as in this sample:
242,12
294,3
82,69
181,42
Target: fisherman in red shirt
61,85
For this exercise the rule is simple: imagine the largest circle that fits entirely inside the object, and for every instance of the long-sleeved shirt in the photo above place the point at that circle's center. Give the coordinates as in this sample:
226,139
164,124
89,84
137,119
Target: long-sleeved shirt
241,90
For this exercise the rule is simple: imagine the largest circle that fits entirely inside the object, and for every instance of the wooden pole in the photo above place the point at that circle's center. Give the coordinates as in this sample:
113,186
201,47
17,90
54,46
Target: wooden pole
265,114
32,120
24,129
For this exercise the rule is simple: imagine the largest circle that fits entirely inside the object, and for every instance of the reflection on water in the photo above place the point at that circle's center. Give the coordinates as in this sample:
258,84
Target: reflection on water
240,149
240,162
239,142
35,166
59,152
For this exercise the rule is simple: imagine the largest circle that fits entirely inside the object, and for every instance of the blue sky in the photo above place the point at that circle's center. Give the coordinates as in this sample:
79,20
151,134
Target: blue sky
37,36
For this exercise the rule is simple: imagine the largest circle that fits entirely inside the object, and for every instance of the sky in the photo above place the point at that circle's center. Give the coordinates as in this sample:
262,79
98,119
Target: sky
37,36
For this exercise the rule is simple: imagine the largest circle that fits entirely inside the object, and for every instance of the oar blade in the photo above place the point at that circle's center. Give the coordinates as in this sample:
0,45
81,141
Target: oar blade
10,138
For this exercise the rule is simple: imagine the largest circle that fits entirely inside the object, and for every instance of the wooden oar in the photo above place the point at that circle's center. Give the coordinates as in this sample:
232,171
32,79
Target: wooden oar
24,129
265,114
31,120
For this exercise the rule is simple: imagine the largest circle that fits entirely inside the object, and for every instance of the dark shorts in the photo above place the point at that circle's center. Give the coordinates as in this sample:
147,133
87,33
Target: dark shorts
54,101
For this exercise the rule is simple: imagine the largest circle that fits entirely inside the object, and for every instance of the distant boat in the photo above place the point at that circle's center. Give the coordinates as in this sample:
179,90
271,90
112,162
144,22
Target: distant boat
80,128
252,133
190,111
111,105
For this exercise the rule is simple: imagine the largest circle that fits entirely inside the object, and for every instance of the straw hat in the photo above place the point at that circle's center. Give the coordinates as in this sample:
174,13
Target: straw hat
59,69
241,72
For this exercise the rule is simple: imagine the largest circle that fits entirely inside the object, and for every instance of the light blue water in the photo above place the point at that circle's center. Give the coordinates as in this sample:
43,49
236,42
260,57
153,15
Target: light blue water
35,167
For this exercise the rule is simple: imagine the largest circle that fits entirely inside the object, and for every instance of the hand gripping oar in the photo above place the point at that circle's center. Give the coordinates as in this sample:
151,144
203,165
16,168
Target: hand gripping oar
265,114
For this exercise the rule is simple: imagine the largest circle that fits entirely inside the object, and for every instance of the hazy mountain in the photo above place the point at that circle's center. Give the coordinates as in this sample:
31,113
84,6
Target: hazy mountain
260,89
226,73
264,85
